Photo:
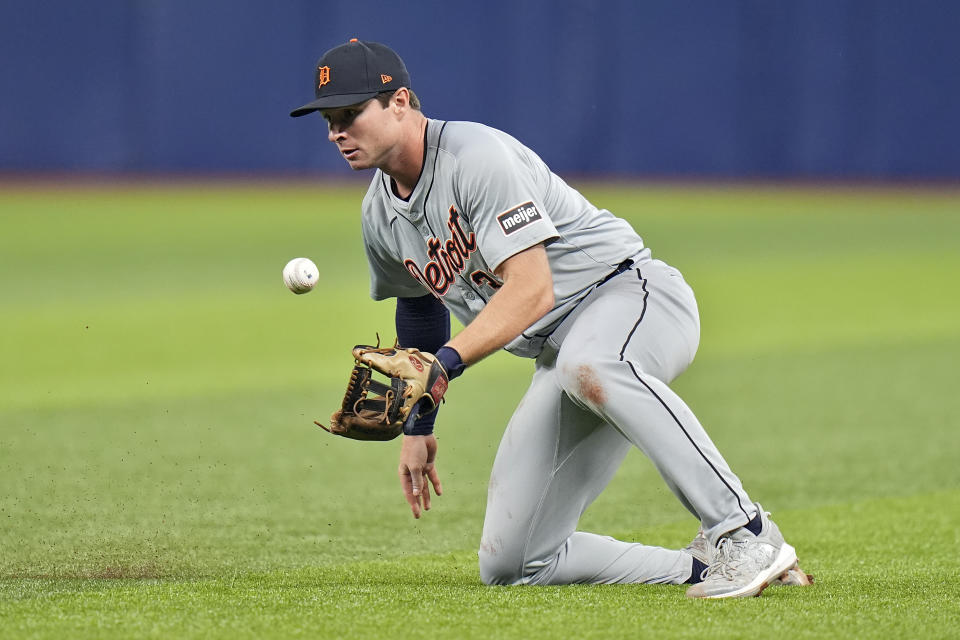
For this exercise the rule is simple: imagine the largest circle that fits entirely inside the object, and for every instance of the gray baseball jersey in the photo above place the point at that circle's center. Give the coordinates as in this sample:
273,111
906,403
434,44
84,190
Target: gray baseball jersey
481,198
605,354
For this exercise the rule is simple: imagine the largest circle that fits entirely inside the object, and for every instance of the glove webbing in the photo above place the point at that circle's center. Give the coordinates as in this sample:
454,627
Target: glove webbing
392,393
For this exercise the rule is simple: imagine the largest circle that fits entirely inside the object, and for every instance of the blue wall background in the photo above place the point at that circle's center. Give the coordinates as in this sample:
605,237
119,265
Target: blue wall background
702,88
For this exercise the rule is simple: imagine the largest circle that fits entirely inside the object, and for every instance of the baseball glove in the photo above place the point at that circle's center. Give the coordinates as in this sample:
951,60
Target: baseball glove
373,410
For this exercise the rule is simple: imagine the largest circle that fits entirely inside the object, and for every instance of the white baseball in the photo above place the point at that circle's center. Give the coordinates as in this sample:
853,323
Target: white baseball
300,275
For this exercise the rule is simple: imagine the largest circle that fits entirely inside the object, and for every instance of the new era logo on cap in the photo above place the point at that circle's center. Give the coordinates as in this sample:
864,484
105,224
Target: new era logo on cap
518,217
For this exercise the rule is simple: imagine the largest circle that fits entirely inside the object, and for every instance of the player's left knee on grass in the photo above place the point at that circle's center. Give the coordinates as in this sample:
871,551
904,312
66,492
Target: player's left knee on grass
497,567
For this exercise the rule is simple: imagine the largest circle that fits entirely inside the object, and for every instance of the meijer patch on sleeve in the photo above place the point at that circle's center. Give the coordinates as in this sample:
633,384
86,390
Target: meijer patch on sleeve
518,217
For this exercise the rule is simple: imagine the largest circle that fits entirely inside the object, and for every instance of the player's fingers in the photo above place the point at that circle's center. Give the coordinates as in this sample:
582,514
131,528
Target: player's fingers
434,480
416,491
416,481
407,483
425,495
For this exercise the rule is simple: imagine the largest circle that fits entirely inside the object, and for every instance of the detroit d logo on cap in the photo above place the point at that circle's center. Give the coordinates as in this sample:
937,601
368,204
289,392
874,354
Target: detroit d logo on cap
323,76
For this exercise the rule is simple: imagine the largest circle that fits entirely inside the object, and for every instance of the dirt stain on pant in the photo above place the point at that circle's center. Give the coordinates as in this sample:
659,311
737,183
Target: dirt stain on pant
589,383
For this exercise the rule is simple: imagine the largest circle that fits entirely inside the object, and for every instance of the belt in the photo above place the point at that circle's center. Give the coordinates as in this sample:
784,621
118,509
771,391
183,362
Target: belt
623,266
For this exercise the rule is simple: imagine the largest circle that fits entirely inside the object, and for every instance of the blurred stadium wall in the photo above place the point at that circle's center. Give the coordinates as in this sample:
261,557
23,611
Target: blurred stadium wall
669,88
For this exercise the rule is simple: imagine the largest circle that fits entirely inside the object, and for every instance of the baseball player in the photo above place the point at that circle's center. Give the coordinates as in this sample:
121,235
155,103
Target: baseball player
463,218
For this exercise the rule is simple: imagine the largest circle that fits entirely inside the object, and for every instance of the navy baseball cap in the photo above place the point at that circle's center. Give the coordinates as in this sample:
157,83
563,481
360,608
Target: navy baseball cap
355,72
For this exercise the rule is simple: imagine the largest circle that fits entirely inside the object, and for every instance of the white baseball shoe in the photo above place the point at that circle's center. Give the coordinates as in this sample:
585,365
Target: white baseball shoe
743,564
794,577
699,548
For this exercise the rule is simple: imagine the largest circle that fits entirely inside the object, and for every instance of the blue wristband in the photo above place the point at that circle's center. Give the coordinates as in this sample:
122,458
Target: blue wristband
451,361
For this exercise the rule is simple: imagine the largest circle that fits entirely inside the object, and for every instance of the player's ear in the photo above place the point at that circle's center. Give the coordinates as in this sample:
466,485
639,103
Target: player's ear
400,100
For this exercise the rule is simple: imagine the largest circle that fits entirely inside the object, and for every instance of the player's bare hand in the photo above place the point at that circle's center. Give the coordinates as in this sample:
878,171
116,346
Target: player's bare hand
417,471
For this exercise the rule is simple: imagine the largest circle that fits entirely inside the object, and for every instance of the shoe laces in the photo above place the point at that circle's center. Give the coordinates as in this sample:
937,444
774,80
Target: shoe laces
727,560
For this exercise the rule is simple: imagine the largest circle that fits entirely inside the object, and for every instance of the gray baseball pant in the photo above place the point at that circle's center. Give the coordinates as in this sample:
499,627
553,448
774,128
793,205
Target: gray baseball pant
600,388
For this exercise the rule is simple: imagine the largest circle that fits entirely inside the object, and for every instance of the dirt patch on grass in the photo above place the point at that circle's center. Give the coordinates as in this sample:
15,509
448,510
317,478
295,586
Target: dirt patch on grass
147,571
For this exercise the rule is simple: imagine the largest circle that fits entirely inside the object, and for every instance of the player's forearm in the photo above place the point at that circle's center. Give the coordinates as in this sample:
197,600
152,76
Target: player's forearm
516,306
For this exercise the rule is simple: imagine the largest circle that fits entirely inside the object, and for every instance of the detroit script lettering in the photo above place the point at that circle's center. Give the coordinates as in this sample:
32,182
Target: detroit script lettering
448,258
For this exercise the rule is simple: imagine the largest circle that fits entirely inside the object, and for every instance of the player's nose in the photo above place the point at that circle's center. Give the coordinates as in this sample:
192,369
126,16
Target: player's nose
334,133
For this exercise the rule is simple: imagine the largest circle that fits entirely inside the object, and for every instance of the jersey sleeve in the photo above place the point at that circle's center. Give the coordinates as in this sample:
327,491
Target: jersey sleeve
500,191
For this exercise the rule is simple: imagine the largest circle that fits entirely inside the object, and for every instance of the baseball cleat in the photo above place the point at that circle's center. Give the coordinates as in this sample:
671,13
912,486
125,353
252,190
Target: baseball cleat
744,564
699,548
794,577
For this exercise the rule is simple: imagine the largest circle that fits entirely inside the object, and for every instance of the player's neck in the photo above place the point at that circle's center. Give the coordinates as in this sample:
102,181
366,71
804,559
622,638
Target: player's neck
406,165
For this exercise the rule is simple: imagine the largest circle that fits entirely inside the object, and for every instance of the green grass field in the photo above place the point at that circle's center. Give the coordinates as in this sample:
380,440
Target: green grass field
160,475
